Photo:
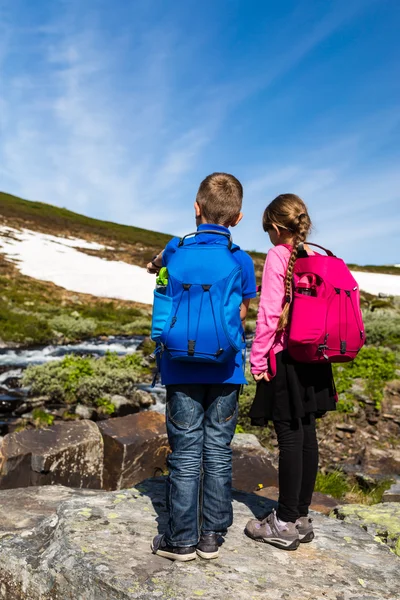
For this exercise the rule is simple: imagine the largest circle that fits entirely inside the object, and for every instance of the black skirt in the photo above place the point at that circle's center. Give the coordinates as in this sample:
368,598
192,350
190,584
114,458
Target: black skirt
296,390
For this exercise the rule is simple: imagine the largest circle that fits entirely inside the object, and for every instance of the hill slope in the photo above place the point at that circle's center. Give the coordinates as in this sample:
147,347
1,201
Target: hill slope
57,267
46,218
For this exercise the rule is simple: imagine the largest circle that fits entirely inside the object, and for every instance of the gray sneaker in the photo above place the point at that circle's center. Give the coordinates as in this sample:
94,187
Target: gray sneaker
305,528
269,531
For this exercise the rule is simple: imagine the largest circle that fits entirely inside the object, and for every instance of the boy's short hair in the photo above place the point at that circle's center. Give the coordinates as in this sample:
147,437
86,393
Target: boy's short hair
220,198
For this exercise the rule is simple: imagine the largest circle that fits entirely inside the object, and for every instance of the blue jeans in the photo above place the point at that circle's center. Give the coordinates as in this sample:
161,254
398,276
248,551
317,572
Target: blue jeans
201,422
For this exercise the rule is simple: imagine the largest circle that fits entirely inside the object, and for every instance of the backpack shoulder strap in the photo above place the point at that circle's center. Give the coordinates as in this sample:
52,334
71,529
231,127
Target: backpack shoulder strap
328,252
211,231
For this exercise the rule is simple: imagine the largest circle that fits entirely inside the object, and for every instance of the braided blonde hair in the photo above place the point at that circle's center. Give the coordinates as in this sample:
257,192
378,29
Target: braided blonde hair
288,212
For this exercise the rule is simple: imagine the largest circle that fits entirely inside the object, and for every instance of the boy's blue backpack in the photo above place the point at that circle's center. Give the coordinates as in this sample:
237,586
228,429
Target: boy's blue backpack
198,318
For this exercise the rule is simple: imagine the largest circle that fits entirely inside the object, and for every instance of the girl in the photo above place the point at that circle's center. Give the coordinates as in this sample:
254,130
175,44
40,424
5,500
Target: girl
289,393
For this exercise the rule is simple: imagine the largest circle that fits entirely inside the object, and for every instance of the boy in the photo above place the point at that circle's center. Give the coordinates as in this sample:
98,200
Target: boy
202,400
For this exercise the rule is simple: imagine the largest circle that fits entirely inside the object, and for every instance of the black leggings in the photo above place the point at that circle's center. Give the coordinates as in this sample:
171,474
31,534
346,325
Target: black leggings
298,466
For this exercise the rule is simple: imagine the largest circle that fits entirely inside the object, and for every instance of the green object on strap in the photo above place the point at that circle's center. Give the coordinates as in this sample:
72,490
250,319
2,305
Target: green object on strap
162,277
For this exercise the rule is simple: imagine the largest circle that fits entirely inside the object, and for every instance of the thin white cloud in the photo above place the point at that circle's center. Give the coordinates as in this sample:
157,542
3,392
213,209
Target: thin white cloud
110,128
72,146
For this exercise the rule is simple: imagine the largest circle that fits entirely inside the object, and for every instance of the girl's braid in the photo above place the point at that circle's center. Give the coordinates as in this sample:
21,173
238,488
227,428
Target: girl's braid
301,227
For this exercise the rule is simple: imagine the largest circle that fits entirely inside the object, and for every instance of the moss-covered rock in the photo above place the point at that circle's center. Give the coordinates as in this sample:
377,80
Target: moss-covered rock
381,520
87,544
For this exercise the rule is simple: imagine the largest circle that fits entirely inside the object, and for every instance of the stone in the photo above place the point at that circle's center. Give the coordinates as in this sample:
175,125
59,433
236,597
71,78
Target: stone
135,447
143,398
68,453
383,462
245,440
126,406
346,427
90,545
382,521
86,412
321,503
366,481
252,464
30,404
392,494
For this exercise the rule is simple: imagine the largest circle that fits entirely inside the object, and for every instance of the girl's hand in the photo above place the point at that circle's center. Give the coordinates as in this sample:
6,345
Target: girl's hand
258,376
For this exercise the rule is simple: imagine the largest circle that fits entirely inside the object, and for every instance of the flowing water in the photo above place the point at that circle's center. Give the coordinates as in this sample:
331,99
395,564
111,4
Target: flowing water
14,361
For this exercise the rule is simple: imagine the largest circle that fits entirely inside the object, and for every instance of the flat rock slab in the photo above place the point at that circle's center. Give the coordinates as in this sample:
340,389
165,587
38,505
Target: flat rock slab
23,509
95,546
135,448
380,520
67,454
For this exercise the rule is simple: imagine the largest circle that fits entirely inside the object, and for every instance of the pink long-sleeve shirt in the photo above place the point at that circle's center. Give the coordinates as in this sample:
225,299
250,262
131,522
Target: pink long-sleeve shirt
267,337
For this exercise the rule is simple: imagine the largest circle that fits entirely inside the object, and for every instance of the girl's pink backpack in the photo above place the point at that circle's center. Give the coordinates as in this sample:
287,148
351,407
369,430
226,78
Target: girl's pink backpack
326,323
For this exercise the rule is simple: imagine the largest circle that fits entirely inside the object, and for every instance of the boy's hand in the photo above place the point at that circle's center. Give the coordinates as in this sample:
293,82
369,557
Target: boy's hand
154,266
152,269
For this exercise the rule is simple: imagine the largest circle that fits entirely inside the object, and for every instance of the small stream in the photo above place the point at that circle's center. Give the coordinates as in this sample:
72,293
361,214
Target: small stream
14,361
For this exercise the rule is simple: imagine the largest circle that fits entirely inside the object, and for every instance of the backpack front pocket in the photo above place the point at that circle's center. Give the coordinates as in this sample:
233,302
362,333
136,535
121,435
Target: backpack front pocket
162,308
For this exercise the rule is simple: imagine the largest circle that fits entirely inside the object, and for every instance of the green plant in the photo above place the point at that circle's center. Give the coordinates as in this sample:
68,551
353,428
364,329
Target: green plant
382,327
41,418
140,326
105,406
147,347
335,484
345,404
73,326
375,366
86,379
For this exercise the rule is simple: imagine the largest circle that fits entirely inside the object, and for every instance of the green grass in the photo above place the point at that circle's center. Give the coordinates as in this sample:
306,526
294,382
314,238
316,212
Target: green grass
344,488
31,313
334,484
60,220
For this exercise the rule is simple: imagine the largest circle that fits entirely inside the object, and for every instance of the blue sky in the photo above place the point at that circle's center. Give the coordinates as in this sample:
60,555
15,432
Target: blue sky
117,109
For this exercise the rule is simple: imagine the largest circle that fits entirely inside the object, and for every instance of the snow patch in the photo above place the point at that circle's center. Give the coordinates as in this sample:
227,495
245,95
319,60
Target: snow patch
58,260
378,283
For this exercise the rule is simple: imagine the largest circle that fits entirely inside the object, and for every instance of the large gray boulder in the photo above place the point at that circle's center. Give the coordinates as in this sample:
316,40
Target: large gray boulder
90,545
